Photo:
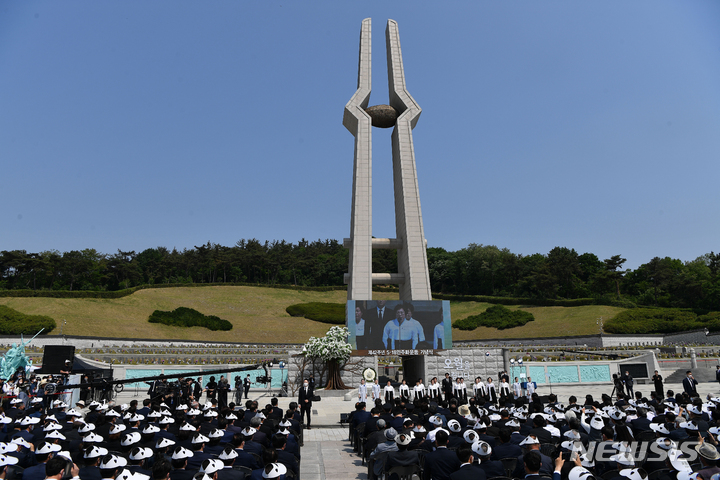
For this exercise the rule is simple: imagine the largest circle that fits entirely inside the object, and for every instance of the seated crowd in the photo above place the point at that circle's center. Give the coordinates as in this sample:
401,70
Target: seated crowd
674,438
133,442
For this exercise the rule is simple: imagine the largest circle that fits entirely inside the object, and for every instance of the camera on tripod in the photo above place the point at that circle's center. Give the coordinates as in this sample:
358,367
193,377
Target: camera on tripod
263,380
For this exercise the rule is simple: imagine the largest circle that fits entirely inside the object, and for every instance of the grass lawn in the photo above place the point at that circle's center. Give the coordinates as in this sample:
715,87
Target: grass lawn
258,315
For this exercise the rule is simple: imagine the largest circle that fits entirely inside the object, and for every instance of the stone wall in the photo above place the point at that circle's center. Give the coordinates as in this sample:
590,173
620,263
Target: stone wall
467,363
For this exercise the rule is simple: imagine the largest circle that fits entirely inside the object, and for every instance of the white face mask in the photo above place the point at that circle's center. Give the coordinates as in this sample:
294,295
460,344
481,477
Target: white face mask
305,384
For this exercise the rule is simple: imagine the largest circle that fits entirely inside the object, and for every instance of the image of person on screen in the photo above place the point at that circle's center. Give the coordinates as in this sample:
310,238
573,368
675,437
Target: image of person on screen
439,336
409,310
360,329
375,319
398,334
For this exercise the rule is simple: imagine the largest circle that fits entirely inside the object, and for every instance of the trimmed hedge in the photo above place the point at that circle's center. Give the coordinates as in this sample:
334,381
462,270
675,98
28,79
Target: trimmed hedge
13,322
661,320
188,317
324,312
540,302
496,316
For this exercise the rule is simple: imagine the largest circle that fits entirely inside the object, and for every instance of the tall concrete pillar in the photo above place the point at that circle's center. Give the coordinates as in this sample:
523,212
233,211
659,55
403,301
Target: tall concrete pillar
403,112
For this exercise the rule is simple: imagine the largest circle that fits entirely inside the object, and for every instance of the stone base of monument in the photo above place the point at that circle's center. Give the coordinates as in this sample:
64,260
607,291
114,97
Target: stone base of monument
337,393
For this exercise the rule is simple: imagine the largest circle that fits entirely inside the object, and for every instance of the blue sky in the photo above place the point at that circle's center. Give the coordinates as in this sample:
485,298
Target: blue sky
591,125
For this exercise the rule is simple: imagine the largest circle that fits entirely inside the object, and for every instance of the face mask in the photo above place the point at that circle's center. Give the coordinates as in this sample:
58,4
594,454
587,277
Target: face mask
306,384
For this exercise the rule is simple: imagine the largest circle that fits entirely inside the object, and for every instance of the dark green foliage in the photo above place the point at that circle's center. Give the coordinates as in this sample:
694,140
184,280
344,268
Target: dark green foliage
319,311
496,316
661,320
187,317
541,302
13,322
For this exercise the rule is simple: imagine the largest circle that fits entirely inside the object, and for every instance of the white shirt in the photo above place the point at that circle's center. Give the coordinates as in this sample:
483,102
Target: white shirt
360,328
376,390
439,334
394,331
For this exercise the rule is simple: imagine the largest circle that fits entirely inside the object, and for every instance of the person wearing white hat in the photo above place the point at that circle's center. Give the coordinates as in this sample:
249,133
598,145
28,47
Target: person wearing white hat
179,462
197,445
274,471
402,457
137,460
111,465
532,444
228,457
5,462
91,460
43,453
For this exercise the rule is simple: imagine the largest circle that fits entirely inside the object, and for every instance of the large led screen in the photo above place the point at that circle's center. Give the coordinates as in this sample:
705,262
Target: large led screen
394,327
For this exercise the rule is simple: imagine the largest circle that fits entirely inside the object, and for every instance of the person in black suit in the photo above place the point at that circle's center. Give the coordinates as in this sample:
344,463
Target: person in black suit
305,397
375,322
402,457
286,458
441,463
467,470
447,386
246,386
689,384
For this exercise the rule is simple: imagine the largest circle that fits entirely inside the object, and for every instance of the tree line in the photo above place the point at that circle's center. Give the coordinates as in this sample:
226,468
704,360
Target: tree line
486,270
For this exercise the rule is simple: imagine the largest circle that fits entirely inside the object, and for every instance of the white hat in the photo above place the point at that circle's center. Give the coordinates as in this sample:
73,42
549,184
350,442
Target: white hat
29,421
694,409
571,445
287,423
166,420
623,459
193,411
586,461
579,473
73,413
232,416
137,418
454,426
186,427
20,441
150,429
165,412
141,453
714,430
258,415
482,448
403,439
112,413
211,466
217,433
65,454
4,419
8,460
597,423
46,448
164,442
633,473
621,447
180,453
276,470
470,436
228,454
479,426
617,415
678,462
95,452
55,434
419,429
249,431
124,407
665,443
52,426
529,440
112,461
92,438
86,428
36,400
689,425
199,438
59,404
687,475
182,406
117,428
126,474
130,439
659,427
573,435
15,401
154,414
435,420
512,423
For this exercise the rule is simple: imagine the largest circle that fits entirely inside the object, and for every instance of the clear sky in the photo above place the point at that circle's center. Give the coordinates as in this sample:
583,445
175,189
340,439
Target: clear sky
593,125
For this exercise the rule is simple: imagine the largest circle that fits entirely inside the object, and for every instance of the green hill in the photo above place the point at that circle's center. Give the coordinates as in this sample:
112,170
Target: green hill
258,315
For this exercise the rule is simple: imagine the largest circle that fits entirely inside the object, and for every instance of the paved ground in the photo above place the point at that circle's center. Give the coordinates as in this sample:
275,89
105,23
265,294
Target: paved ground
327,454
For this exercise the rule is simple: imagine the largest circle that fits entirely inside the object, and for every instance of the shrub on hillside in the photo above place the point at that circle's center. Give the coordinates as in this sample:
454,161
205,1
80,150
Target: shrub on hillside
659,320
13,322
188,317
496,316
319,311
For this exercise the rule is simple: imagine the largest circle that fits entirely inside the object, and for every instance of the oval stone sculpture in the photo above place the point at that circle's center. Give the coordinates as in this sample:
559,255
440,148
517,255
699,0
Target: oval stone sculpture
383,116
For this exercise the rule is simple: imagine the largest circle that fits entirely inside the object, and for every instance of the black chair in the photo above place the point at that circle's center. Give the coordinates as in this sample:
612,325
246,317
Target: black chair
548,449
247,471
404,473
258,458
509,465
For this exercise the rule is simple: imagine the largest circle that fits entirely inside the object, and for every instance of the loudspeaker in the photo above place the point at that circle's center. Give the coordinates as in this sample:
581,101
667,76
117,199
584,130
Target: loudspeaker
54,358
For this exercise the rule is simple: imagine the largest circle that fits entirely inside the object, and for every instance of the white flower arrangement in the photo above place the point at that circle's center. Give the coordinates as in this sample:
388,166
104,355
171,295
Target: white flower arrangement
332,347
